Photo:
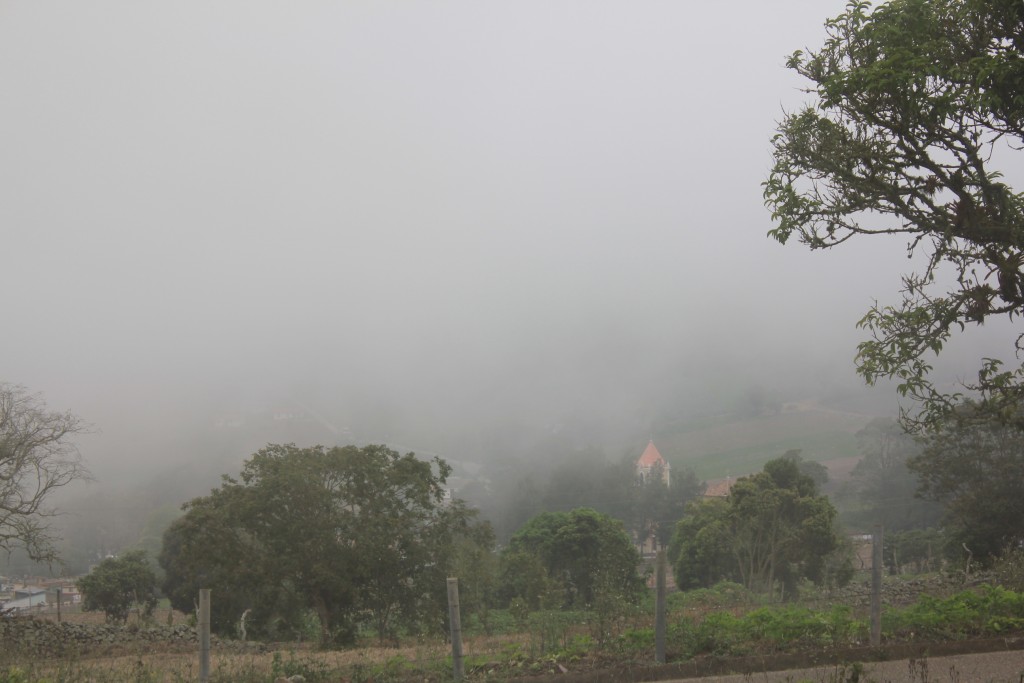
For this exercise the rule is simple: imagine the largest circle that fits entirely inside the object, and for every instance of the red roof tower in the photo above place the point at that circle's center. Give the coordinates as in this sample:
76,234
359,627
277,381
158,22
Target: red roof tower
651,456
650,459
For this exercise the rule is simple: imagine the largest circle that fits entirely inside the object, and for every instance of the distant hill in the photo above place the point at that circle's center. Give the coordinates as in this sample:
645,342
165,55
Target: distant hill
730,446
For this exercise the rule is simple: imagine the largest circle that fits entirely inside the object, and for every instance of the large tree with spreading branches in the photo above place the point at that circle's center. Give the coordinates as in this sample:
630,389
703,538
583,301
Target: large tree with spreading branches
916,118
352,534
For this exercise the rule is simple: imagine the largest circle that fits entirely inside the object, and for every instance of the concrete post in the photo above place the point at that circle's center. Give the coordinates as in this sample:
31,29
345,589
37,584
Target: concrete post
204,635
455,619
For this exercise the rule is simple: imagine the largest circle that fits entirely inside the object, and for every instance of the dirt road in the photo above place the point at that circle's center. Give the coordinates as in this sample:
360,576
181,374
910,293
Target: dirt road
988,667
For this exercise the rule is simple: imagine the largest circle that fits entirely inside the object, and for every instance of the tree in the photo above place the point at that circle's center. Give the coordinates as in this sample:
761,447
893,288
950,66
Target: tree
920,550
886,488
701,552
810,468
974,466
475,564
782,529
655,506
36,458
344,532
774,527
916,104
578,551
117,584
523,577
648,507
157,522
210,546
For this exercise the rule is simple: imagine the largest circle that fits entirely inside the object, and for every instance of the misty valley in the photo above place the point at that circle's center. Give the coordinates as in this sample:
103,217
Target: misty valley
392,342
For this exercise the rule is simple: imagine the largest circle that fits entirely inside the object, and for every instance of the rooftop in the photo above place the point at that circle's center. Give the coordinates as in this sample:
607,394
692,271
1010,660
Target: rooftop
650,456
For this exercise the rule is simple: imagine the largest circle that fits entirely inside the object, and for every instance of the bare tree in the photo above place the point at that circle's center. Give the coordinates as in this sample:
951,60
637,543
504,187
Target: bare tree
36,457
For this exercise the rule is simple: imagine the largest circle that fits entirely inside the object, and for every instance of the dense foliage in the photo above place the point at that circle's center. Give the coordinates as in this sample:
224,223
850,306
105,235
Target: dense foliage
119,584
773,530
701,550
916,105
986,611
347,532
883,488
570,559
656,504
586,479
974,466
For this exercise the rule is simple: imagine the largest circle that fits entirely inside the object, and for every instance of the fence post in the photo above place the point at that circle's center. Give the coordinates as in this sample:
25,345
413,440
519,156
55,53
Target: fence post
455,619
58,604
204,635
876,586
659,609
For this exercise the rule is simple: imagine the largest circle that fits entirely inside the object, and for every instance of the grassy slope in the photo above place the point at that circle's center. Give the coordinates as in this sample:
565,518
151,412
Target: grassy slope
726,446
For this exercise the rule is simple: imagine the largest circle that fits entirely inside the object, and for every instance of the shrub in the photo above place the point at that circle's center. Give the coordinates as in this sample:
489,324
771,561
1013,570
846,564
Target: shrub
1009,568
989,610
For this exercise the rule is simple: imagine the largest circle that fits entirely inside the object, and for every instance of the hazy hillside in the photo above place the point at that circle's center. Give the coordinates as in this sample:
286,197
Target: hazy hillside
727,445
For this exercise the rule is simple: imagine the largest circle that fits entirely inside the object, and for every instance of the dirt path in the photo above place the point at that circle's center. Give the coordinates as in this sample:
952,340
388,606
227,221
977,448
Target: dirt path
987,667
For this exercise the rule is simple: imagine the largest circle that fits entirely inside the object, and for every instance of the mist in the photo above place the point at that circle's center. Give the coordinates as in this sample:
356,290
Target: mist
442,226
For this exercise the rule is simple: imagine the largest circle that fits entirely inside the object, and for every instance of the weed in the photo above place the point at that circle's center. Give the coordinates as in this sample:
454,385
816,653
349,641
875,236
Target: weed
917,669
549,630
13,674
847,673
311,670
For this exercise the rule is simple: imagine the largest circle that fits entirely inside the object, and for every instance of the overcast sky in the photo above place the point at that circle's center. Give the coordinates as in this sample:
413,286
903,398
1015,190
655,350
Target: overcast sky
445,208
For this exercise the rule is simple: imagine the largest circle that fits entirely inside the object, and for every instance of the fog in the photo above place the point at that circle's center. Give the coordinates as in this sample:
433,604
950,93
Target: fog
429,224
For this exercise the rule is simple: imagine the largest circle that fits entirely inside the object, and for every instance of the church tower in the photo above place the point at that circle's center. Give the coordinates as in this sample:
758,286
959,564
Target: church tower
651,462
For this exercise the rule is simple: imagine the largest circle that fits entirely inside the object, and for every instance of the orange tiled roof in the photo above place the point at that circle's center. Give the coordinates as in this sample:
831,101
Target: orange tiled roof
650,456
719,489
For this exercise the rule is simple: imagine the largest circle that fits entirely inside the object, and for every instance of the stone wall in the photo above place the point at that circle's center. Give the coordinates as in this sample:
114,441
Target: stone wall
903,591
41,637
